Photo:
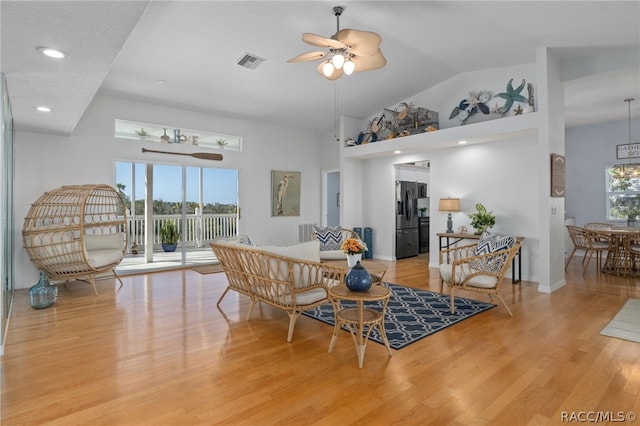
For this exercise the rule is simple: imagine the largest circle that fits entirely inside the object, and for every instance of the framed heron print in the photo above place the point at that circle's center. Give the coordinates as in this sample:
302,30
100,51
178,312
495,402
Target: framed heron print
285,193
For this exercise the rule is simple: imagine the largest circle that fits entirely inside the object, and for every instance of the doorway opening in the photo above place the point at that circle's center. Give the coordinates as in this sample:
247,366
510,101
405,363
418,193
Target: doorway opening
331,197
201,203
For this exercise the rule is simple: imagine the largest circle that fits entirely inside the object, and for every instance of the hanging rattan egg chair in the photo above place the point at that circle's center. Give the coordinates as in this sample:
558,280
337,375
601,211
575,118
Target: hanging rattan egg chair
77,232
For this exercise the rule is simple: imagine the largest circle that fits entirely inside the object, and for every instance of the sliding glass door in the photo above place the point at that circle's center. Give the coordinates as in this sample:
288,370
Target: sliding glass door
199,203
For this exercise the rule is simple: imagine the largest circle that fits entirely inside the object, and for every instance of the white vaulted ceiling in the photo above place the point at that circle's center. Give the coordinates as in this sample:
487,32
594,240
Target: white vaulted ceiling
126,47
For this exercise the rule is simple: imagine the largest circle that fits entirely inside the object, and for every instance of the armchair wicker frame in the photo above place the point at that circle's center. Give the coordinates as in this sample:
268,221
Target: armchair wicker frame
461,268
77,232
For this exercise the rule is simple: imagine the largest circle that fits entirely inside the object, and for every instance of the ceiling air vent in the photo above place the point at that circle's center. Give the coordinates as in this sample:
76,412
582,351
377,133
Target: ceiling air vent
250,61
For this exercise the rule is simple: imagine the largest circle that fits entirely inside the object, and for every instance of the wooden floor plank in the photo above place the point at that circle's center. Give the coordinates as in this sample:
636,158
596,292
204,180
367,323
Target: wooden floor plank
158,351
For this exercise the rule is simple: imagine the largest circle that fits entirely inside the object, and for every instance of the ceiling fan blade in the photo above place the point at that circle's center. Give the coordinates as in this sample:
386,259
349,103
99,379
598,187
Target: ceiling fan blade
337,73
367,63
317,40
363,43
309,56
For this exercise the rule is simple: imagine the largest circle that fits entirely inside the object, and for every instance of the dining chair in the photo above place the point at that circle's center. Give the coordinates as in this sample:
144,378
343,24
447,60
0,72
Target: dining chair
599,242
632,248
590,242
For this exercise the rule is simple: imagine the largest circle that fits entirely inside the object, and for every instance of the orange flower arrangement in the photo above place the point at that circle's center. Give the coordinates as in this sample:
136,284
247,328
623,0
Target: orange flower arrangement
353,246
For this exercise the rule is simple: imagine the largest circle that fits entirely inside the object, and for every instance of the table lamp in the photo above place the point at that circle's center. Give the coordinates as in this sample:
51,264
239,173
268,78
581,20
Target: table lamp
449,205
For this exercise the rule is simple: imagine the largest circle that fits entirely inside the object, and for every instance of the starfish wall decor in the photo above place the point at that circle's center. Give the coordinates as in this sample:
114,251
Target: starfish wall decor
512,95
478,102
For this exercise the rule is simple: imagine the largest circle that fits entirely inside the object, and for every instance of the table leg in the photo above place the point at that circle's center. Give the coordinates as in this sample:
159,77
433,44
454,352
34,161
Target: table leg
383,332
361,344
513,267
337,325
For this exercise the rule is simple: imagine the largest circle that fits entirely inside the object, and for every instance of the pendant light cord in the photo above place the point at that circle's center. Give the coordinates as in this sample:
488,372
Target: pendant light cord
628,101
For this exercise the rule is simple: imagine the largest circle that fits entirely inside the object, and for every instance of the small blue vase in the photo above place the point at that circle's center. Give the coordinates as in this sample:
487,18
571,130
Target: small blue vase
43,294
358,279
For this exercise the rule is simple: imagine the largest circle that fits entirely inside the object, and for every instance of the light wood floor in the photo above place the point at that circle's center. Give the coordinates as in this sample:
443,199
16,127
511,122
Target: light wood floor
159,352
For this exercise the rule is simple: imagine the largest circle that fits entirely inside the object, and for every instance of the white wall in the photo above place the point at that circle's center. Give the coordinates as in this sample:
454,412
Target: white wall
490,174
46,162
498,174
589,151
550,140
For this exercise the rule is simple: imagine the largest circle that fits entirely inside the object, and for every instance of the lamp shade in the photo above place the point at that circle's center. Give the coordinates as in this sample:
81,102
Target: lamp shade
449,205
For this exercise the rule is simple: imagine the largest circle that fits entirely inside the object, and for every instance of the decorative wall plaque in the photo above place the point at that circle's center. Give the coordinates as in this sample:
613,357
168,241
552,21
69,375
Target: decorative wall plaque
558,175
630,150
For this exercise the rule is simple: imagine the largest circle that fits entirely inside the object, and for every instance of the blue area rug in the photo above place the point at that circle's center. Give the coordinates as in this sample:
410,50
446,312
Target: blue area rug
412,314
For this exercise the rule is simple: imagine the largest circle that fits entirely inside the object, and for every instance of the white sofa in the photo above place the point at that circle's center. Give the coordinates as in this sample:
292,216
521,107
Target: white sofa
288,278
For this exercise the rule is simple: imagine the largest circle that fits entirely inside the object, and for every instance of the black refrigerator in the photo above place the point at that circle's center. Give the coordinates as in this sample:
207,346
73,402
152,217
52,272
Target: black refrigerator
407,241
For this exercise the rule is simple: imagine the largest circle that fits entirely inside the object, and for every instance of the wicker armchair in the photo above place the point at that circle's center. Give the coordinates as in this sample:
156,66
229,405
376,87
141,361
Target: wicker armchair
332,238
77,232
461,268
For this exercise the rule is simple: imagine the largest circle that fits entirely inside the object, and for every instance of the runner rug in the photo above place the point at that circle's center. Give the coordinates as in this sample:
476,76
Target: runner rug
208,269
412,314
626,324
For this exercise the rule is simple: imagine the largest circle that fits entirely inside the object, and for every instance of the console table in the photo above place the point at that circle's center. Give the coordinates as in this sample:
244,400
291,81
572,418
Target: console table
456,237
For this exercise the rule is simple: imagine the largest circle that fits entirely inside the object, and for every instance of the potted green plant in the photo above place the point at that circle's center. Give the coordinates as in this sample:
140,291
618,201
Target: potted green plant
482,219
169,236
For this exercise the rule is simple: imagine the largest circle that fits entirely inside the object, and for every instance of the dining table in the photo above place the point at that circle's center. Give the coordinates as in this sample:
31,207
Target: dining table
620,260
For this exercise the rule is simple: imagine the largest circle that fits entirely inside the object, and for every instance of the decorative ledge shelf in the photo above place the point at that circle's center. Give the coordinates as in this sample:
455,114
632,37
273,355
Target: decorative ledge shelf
154,132
487,131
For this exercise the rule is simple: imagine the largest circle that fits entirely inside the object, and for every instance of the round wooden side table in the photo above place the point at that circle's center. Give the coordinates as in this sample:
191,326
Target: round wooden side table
357,318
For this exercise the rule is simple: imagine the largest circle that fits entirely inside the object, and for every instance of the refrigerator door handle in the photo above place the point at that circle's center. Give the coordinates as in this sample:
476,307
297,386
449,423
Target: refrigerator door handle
407,204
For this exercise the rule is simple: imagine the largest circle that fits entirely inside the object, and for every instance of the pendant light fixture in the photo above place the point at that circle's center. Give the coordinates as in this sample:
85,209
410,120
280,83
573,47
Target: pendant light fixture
626,171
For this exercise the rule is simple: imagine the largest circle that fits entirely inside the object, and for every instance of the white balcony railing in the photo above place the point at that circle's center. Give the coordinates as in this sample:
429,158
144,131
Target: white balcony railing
197,230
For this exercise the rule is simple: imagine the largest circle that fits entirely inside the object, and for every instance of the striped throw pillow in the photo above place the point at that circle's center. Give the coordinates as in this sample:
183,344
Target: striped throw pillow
330,238
489,243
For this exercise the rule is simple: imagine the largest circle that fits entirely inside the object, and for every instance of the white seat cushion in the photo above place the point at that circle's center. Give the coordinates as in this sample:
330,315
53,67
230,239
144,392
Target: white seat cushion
332,255
482,281
308,251
104,242
99,258
307,297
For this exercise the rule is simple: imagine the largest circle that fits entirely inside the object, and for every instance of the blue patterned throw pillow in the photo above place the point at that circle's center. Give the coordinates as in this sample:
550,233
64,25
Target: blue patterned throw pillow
329,238
489,243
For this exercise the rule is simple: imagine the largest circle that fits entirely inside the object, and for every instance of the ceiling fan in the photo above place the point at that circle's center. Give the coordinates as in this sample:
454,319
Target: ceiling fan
348,51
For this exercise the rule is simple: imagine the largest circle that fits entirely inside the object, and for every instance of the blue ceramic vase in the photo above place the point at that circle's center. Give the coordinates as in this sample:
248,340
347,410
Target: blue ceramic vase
43,294
358,279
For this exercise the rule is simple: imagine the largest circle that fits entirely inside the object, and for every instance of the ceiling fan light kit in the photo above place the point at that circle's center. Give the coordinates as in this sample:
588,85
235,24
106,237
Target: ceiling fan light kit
348,51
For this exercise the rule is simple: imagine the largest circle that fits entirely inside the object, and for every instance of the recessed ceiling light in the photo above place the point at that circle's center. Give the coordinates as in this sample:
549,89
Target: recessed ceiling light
161,82
462,142
43,108
397,151
52,53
